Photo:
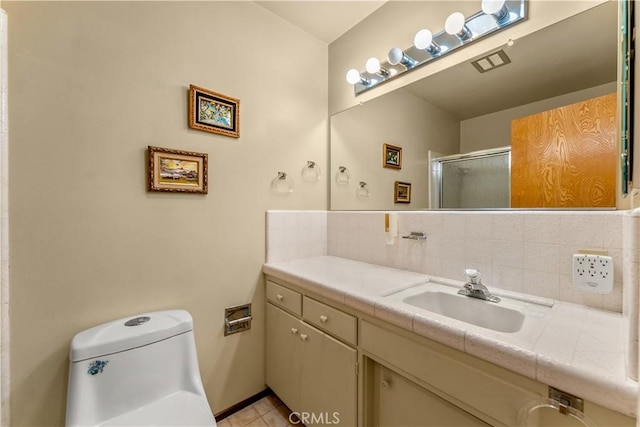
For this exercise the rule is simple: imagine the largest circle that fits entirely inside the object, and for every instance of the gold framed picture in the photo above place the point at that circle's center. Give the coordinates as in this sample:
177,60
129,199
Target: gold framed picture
391,156
213,112
402,193
176,170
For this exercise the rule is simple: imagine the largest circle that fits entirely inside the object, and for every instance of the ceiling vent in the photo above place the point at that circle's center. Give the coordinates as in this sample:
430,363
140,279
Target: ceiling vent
491,61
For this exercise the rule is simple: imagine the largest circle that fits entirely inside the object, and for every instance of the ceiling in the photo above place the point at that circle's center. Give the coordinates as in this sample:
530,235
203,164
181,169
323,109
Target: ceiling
326,20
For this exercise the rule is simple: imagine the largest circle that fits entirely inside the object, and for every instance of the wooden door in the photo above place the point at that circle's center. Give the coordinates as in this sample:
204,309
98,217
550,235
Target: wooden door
566,157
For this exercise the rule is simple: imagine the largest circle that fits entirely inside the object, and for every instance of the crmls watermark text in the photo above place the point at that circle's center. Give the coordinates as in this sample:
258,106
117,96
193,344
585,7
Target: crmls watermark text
314,418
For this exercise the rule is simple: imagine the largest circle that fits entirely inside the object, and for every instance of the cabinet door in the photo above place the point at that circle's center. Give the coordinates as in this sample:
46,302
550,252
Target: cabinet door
283,355
328,379
400,402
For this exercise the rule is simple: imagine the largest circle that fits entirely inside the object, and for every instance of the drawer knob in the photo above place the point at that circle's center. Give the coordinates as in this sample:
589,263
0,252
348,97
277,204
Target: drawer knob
385,384
324,319
303,337
280,297
294,330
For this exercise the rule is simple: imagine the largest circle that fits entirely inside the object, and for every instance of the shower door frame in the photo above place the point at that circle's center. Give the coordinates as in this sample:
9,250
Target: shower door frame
436,171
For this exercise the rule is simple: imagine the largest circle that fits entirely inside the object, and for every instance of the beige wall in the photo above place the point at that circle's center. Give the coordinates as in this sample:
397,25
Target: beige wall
378,33
91,85
400,119
494,130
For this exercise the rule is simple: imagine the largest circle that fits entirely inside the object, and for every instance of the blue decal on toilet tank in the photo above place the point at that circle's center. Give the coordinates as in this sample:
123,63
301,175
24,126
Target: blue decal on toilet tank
97,366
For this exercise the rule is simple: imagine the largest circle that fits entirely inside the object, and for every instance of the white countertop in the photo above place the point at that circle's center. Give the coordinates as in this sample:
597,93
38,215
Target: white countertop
575,348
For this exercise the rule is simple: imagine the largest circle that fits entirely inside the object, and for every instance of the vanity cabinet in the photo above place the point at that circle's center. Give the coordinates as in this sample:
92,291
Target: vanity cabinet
315,349
447,387
312,372
470,386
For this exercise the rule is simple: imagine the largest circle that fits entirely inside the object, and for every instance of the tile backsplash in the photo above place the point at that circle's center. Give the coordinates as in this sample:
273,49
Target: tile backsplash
523,251
295,234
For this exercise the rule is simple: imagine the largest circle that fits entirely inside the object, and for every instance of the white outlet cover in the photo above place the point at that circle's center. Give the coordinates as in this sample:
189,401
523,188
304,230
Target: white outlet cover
593,273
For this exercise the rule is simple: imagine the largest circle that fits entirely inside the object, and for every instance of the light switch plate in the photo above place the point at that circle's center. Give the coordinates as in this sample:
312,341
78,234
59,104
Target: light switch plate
593,273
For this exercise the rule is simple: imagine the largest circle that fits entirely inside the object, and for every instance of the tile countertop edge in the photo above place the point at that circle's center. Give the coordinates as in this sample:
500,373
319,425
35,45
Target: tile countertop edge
618,394
612,393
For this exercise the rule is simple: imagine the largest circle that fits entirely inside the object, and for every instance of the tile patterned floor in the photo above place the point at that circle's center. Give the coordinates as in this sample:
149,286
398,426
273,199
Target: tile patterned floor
266,412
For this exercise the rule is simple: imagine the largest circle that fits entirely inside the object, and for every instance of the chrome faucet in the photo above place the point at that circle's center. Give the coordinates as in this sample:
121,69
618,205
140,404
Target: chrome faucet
474,287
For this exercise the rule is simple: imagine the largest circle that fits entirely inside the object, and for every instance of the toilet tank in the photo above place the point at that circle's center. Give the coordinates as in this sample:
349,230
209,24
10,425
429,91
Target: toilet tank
128,363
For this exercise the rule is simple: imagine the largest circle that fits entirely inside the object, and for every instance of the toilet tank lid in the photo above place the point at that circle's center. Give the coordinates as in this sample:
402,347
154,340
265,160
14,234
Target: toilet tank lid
129,332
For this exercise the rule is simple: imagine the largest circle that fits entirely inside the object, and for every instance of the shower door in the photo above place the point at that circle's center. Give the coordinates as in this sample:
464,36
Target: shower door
474,180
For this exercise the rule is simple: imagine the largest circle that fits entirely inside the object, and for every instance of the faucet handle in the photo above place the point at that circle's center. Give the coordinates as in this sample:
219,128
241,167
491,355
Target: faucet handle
472,274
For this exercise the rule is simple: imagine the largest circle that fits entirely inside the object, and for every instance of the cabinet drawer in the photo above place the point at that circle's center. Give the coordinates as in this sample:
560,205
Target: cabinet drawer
284,297
332,320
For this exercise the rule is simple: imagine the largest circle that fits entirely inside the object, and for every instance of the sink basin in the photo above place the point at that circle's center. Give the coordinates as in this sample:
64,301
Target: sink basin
508,315
481,313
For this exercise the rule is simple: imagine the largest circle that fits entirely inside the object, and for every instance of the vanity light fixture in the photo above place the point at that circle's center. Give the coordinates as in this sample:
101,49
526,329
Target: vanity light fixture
456,26
493,16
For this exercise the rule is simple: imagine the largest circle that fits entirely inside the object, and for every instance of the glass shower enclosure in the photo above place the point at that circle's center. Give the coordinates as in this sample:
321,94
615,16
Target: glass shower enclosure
481,179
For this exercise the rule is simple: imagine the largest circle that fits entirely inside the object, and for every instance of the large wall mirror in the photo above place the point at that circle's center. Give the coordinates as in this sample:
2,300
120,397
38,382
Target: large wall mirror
466,113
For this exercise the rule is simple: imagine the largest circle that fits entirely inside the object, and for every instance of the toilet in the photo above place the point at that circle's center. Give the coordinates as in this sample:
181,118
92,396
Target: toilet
137,371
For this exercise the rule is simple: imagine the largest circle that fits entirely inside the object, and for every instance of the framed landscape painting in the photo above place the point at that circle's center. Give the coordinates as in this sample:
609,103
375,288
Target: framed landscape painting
176,170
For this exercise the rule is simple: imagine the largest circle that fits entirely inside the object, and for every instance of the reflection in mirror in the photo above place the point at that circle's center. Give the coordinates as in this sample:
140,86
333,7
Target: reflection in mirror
476,180
463,110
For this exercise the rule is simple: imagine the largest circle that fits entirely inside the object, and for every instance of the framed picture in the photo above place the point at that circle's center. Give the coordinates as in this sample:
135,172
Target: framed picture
214,112
391,156
176,170
402,192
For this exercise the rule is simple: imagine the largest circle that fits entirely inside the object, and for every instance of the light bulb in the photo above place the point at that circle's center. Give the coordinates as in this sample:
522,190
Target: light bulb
395,56
491,7
372,65
353,76
496,8
454,23
423,39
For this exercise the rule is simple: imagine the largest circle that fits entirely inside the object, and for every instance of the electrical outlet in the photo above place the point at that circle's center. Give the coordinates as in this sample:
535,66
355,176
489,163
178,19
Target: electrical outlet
593,273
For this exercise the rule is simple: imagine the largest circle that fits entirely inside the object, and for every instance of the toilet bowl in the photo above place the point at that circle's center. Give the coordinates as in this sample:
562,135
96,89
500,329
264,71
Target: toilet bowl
137,371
